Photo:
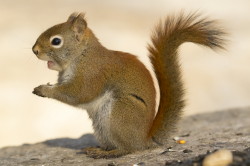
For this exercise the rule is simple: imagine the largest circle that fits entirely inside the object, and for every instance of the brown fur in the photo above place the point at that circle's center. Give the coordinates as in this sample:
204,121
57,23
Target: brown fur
114,87
166,39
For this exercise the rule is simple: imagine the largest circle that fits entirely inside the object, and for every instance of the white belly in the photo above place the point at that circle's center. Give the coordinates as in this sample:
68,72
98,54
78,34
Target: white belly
99,111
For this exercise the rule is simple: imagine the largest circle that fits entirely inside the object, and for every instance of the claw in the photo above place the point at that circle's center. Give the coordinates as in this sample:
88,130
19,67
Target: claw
37,92
41,91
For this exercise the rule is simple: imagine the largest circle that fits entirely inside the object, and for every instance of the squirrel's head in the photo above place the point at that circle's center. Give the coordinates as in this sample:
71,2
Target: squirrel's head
63,42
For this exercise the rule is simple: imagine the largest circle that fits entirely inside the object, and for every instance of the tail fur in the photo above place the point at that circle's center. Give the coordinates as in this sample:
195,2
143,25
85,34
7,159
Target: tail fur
166,39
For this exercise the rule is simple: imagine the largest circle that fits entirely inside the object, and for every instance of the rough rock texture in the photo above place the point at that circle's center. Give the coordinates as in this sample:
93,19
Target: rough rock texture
204,133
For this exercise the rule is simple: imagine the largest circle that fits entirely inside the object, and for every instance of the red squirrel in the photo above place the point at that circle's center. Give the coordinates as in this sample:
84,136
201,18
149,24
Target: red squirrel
117,90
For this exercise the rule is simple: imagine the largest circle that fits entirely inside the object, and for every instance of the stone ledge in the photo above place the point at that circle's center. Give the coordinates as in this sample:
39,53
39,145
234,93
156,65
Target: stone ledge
203,133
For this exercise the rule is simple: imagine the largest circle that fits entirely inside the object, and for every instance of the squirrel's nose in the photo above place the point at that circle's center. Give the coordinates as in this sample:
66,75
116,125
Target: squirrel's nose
35,50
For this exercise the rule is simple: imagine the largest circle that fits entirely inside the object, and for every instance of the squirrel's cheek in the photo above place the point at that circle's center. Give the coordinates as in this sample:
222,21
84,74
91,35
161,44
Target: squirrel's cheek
43,56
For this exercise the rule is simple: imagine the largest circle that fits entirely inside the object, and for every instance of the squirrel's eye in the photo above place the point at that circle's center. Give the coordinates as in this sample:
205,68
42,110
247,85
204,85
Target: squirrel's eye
56,41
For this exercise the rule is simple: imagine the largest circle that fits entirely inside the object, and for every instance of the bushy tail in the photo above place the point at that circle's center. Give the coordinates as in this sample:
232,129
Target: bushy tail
166,39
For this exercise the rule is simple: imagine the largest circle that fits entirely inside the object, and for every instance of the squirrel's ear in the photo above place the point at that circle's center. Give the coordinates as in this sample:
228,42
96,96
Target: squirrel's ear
72,17
78,24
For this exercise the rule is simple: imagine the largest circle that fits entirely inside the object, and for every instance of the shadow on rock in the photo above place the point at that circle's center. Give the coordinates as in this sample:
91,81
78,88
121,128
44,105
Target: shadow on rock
86,140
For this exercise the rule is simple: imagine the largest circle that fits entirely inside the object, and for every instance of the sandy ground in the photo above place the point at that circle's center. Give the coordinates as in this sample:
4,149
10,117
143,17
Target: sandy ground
213,81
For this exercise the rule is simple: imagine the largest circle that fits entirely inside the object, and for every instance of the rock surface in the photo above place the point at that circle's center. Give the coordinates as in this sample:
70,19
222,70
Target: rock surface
203,133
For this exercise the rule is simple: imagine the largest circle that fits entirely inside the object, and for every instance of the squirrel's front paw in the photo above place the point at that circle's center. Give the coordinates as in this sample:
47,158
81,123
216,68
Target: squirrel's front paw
42,90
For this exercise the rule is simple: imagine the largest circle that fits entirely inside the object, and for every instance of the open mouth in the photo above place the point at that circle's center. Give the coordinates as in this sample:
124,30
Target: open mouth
50,64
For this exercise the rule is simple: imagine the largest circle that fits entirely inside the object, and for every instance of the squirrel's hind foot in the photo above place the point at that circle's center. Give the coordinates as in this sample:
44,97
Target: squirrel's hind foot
98,153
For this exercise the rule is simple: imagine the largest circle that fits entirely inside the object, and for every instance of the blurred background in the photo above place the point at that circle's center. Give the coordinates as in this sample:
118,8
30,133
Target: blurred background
213,80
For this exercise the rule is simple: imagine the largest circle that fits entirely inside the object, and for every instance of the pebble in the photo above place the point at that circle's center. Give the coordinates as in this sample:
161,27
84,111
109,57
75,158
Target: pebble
176,138
218,158
139,164
187,151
